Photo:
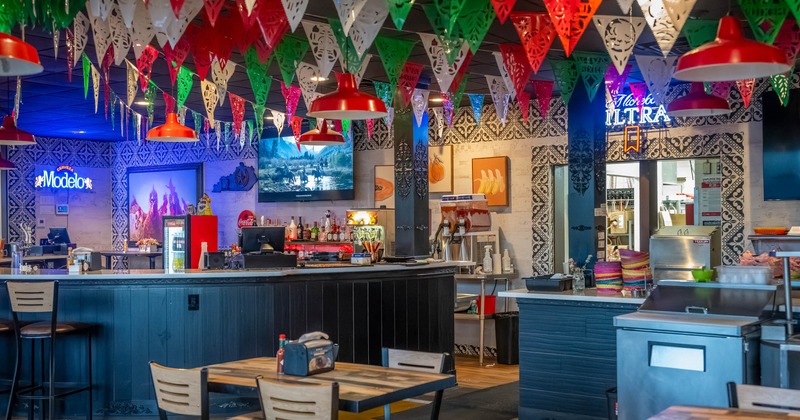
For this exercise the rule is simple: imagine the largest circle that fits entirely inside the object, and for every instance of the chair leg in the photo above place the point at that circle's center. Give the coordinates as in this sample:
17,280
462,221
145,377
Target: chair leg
162,414
14,382
89,363
51,406
387,412
33,376
437,404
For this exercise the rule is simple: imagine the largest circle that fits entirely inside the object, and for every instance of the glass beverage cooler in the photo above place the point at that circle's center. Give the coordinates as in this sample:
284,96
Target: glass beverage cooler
183,236
373,230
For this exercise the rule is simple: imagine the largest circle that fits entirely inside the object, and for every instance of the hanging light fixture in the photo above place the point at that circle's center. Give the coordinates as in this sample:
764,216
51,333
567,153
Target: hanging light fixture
6,165
321,137
17,57
10,135
731,57
698,103
172,131
347,103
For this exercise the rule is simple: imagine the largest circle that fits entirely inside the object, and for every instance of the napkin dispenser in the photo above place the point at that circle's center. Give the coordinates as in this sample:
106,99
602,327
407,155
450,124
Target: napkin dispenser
312,353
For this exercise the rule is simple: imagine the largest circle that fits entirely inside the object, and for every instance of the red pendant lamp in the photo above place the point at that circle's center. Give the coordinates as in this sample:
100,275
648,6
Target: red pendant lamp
6,165
321,137
17,57
698,103
731,57
10,135
347,103
172,131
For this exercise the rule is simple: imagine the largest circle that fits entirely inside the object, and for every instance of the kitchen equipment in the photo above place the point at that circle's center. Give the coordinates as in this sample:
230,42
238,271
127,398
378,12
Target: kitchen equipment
548,283
677,250
373,230
183,236
686,342
757,274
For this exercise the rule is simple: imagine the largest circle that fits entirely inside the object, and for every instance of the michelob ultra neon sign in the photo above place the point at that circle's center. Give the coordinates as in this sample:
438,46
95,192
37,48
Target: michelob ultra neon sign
625,112
63,177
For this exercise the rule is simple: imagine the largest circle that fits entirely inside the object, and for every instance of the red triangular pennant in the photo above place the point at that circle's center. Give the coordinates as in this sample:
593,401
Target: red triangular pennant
544,91
517,66
297,124
169,103
108,59
746,88
145,65
272,21
502,8
571,17
247,19
175,57
213,7
202,59
237,109
536,32
177,5
721,89
524,100
788,39
408,80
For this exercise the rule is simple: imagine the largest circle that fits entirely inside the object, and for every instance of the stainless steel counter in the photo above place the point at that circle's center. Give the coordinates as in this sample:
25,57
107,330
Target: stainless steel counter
588,295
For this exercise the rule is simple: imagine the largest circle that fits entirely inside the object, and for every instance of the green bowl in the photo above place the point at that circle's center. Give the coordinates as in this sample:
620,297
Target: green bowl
702,275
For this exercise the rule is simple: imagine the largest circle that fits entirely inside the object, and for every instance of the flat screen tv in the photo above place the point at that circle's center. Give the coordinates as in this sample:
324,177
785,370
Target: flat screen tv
781,128
311,173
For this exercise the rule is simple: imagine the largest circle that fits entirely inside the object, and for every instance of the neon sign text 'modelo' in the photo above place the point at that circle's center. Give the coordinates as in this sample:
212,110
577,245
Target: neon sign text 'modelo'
63,177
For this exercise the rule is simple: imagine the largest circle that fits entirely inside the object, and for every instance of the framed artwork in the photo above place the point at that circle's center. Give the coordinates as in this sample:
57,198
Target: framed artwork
440,169
384,186
157,191
490,177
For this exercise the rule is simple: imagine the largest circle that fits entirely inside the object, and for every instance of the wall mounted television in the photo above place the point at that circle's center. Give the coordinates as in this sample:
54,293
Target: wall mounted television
781,147
312,173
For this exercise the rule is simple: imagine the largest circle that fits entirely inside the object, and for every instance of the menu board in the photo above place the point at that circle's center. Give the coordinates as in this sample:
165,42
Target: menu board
709,200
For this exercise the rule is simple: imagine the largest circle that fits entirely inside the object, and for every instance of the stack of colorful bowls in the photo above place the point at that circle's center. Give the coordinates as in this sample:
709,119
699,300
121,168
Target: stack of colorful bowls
608,277
636,273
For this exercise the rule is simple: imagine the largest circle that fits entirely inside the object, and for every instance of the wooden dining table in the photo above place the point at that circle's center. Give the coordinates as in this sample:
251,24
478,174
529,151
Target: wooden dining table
708,413
361,387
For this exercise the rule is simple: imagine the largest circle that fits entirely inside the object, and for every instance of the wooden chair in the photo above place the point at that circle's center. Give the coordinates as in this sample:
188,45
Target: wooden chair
762,398
280,400
180,391
418,361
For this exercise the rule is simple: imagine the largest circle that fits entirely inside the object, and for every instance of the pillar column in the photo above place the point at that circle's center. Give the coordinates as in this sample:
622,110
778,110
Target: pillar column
411,183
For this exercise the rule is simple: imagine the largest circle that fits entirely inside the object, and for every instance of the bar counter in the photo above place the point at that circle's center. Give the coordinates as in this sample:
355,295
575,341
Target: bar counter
206,317
567,350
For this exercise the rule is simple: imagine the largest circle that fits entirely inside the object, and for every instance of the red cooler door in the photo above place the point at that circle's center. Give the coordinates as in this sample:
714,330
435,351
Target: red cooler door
201,229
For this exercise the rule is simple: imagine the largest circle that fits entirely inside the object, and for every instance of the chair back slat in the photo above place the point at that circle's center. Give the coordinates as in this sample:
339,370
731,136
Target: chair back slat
763,398
414,360
31,296
287,401
179,391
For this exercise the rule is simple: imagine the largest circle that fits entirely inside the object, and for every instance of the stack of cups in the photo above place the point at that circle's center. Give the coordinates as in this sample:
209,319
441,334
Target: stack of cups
608,277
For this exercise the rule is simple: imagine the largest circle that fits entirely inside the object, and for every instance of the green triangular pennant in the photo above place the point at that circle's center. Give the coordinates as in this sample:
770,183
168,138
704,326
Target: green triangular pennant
765,17
592,67
198,122
250,129
456,99
700,31
12,13
150,97
87,67
257,73
566,74
449,38
399,10
476,18
289,53
394,53
345,127
259,110
781,84
350,59
384,92
185,83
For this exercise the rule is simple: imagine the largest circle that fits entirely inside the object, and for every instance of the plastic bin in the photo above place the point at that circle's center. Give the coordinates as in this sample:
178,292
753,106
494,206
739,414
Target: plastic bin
613,411
506,330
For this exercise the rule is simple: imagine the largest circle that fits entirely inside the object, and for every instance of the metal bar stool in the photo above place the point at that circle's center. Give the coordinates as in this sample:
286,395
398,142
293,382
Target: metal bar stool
36,296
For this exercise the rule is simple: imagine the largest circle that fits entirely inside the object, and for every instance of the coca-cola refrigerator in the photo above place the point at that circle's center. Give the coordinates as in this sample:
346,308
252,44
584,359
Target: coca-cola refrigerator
183,238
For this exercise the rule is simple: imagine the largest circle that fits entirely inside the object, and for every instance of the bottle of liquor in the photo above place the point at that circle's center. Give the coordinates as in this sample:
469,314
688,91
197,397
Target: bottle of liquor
315,232
279,355
292,230
343,231
286,230
327,221
70,259
300,229
330,230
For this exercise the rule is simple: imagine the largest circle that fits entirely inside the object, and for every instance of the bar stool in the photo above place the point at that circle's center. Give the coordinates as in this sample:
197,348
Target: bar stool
35,296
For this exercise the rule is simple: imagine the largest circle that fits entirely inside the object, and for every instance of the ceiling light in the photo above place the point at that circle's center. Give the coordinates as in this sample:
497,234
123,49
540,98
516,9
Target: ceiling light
321,137
6,165
347,103
172,131
318,79
436,99
143,103
10,135
269,118
17,57
79,132
731,57
698,103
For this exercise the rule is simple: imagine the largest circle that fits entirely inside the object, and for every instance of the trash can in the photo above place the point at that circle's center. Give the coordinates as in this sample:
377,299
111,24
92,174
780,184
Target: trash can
613,411
506,331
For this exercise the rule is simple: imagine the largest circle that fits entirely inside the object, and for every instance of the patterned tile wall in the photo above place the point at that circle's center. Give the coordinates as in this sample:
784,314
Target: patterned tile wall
48,151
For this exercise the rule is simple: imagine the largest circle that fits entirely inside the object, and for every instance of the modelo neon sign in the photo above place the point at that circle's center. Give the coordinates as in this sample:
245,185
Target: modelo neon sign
63,177
625,112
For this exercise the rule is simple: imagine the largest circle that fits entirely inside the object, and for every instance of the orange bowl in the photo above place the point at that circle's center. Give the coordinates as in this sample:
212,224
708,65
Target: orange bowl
771,231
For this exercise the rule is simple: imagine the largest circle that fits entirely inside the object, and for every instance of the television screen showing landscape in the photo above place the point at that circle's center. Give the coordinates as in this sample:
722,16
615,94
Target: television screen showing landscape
286,173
